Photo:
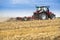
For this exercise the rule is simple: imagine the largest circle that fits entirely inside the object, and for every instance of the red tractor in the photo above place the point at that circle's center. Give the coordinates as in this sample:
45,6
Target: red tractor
42,13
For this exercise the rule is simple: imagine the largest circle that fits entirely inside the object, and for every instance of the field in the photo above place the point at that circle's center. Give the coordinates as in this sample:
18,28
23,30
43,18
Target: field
30,30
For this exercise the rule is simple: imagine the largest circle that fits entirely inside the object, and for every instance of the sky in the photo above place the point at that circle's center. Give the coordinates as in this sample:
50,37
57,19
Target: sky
15,8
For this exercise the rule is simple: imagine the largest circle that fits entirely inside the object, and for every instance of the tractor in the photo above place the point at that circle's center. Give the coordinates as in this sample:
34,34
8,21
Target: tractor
43,13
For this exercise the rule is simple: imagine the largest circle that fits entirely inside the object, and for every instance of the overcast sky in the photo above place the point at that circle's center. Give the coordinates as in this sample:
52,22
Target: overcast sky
14,8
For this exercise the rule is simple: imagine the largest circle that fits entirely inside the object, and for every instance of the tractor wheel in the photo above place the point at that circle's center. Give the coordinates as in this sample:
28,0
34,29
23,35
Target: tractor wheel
52,16
43,16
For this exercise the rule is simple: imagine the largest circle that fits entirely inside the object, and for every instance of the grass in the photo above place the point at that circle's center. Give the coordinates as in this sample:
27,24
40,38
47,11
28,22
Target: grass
30,30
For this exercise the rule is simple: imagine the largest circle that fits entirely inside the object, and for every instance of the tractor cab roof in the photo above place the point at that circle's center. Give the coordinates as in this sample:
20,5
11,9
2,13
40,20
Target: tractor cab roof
42,6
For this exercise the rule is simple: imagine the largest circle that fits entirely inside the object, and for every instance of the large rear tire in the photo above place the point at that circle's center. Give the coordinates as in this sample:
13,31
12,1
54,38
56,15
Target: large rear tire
43,16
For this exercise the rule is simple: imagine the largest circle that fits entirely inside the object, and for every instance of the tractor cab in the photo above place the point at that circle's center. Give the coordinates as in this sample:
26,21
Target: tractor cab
42,8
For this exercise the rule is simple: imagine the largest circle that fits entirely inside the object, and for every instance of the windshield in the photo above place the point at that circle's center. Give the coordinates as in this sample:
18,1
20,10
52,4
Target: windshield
45,9
42,9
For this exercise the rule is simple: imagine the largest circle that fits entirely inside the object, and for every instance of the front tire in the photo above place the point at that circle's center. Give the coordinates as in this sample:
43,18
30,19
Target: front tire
52,16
